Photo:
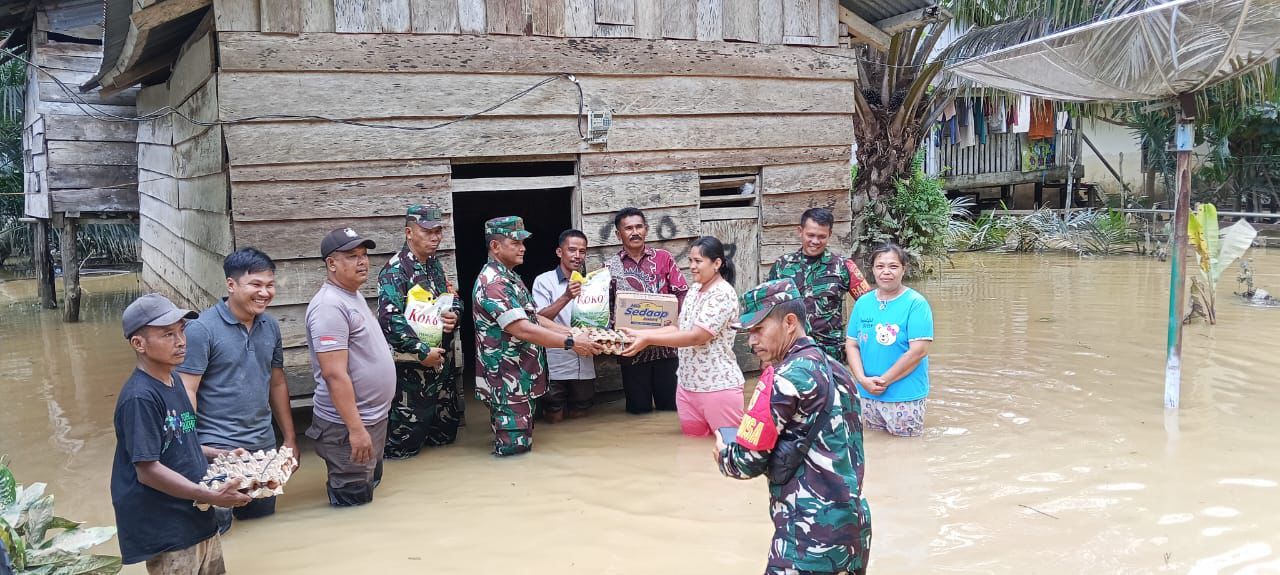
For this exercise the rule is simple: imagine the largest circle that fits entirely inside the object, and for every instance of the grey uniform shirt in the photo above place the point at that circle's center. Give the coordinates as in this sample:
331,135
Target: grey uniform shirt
336,320
563,364
234,365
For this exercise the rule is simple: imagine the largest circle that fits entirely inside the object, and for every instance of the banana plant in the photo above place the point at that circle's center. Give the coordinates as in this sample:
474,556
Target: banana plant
1216,251
27,526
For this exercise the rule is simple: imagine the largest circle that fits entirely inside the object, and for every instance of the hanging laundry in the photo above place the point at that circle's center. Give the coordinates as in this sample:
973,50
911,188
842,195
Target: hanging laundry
1042,121
1022,117
967,136
962,110
1063,119
980,121
997,112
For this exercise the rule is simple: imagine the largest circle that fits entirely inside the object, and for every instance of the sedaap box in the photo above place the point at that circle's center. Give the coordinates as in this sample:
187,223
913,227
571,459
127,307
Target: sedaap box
638,310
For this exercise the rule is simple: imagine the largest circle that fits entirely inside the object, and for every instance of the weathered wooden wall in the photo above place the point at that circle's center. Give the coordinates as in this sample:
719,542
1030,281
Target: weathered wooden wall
185,220
72,160
794,22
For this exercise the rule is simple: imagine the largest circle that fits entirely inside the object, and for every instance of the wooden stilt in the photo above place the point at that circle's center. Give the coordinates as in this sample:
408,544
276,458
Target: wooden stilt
43,263
70,271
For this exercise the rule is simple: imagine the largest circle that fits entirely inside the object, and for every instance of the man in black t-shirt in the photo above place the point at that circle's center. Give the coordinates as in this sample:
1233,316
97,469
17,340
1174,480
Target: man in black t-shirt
159,460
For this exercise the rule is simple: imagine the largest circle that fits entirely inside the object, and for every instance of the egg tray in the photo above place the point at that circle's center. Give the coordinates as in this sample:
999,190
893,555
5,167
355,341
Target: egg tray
262,474
613,341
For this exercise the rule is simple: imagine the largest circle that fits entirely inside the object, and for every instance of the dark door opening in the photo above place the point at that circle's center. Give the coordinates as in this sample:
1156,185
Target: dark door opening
546,213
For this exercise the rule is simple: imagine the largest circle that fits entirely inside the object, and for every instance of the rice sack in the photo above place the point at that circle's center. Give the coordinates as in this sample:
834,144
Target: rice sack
591,309
424,313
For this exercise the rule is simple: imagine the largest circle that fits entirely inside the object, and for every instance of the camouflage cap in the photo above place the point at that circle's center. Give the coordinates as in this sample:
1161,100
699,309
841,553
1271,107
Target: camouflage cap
427,215
758,301
510,226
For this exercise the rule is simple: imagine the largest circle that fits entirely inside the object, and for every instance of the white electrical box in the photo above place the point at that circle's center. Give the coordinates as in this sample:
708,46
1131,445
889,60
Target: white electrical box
598,124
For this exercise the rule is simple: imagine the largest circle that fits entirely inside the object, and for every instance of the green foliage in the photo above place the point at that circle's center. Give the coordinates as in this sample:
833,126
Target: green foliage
1215,251
26,521
1086,232
916,217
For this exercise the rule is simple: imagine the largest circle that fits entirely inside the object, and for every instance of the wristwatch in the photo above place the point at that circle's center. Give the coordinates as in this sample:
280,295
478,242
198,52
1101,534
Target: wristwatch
568,342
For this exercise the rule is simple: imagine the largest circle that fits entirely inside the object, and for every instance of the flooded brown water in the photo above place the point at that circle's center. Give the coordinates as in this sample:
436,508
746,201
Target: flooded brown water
1048,450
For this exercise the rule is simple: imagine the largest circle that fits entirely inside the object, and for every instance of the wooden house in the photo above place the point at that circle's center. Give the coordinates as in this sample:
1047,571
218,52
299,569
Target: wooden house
725,117
79,164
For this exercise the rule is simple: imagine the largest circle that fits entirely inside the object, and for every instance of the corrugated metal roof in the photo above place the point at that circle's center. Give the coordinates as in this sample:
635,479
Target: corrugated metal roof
876,10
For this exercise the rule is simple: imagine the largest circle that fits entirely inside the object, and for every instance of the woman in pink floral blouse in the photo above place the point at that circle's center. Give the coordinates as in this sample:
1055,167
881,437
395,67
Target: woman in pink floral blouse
710,393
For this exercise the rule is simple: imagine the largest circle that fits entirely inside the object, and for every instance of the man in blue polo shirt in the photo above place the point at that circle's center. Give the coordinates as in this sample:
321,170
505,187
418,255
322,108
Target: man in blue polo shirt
234,370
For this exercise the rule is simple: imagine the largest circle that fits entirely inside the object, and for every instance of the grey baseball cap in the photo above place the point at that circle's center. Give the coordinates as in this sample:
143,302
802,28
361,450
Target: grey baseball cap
153,309
343,239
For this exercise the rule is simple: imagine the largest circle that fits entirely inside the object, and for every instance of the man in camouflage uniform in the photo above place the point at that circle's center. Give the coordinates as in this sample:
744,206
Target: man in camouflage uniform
821,523
823,278
428,404
511,368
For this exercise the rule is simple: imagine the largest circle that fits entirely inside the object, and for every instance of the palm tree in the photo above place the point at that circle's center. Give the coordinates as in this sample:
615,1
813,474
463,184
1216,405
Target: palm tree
902,89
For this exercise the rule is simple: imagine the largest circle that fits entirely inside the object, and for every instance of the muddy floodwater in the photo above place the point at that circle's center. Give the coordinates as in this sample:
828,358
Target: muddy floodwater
1047,450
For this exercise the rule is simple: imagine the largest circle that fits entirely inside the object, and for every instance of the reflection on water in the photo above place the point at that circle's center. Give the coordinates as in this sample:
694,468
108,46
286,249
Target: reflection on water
1048,450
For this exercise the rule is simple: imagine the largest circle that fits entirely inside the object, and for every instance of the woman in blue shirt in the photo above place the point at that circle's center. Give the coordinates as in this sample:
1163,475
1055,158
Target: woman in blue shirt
887,345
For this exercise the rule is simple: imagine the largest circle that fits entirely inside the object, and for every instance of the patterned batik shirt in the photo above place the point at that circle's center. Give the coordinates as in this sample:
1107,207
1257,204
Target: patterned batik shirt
823,281
656,272
398,276
508,370
821,523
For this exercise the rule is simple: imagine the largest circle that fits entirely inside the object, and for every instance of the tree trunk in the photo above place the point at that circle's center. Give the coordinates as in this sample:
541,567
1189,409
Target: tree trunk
883,155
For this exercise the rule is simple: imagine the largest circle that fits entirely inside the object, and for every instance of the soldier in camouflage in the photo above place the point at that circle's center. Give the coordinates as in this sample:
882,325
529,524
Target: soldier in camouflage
429,400
511,368
821,523
823,278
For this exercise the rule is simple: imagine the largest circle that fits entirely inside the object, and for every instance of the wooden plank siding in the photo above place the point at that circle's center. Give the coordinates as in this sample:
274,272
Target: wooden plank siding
73,162
769,22
185,221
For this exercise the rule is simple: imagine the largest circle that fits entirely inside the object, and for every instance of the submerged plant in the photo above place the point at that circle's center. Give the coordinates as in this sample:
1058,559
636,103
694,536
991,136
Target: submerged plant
27,526
1216,251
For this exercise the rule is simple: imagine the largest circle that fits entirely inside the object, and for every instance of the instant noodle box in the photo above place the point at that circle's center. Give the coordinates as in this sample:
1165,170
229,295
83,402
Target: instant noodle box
638,310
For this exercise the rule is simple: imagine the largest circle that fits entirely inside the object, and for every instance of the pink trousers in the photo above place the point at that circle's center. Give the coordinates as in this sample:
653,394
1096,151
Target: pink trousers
703,412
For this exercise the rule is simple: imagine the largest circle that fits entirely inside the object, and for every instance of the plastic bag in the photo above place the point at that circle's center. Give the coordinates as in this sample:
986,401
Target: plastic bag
424,313
591,309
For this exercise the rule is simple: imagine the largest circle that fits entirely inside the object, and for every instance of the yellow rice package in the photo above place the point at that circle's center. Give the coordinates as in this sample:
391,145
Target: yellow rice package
591,309
423,311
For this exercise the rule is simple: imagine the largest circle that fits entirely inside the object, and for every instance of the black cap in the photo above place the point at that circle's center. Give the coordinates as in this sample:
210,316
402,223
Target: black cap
341,240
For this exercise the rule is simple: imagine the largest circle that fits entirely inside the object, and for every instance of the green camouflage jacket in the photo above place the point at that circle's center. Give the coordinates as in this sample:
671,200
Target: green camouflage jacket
508,370
823,281
397,277
821,523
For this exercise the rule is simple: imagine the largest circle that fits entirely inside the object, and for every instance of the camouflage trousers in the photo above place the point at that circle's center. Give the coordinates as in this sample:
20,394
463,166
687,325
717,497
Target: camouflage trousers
426,410
512,424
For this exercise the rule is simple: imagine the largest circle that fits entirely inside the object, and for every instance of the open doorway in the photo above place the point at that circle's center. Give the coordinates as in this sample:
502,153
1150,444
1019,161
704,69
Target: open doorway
546,213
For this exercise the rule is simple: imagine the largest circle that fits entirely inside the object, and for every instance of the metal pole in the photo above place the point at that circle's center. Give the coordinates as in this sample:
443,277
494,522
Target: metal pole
1183,140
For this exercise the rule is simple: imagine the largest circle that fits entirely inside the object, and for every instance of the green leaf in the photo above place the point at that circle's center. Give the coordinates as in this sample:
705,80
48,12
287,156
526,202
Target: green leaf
90,565
64,523
77,540
39,517
27,495
1236,240
8,486
13,545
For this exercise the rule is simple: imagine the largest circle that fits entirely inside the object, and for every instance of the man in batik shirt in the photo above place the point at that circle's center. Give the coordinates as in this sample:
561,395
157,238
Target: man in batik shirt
648,379
823,278
511,368
428,404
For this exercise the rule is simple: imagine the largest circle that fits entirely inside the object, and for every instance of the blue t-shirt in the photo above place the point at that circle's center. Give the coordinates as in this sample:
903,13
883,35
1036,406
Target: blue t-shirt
884,335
